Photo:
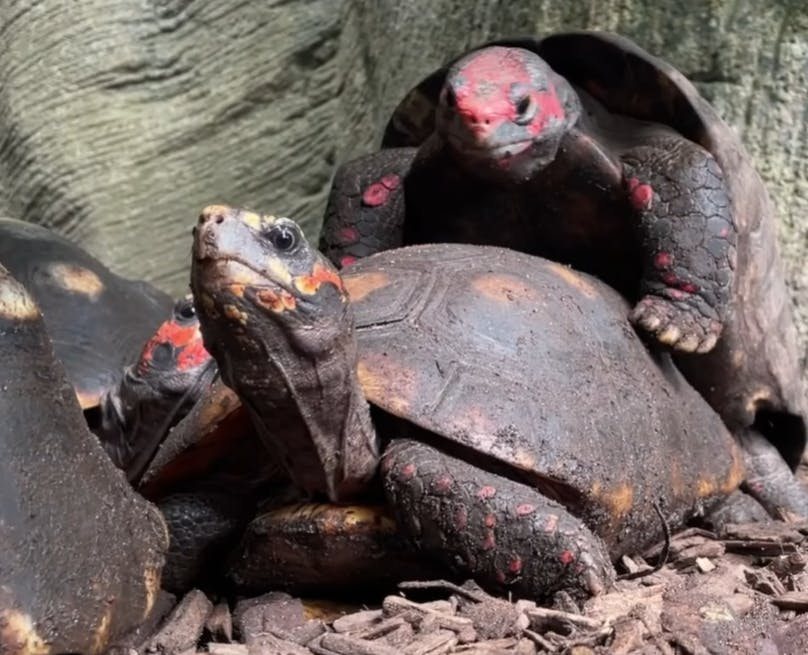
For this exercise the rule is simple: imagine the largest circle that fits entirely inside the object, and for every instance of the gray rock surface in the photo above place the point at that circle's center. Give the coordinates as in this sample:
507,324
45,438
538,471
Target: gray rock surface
122,118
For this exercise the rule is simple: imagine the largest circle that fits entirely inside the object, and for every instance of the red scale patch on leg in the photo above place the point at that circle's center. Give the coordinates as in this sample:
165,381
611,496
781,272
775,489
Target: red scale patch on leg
640,195
486,492
515,565
407,472
525,509
378,193
347,260
490,541
490,520
349,234
663,260
566,558
443,484
461,518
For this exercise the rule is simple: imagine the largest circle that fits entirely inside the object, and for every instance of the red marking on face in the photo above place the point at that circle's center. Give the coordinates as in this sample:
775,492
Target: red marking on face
515,565
663,260
319,275
378,193
490,520
443,484
489,542
640,195
483,91
347,260
348,235
486,492
551,524
525,509
408,472
566,558
461,518
186,340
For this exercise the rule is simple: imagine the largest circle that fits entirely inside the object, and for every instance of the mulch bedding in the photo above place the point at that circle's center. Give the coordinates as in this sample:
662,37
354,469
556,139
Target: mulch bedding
742,591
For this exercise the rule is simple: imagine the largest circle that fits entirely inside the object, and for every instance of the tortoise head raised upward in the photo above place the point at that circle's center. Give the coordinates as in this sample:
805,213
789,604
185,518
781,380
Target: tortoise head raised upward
275,315
506,110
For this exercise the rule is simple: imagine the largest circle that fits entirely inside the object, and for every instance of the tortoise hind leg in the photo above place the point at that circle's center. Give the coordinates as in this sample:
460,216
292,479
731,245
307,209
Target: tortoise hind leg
769,479
505,534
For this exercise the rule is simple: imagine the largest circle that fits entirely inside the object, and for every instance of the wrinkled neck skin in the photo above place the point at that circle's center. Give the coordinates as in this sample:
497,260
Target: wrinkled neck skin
136,416
303,395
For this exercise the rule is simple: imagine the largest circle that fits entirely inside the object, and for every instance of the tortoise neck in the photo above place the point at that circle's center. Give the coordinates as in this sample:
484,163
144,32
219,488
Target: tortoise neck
310,411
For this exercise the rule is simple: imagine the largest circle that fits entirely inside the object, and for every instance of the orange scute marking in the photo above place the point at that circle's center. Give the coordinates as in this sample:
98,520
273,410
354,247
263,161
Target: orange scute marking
362,284
310,284
276,302
386,383
618,499
573,278
503,288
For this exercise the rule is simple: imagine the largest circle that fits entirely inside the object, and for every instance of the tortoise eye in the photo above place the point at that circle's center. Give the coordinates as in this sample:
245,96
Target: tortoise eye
184,310
525,110
282,237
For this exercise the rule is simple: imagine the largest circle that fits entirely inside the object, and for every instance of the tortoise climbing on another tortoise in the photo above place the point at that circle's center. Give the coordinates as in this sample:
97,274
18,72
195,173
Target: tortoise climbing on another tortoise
521,430
97,321
81,552
585,149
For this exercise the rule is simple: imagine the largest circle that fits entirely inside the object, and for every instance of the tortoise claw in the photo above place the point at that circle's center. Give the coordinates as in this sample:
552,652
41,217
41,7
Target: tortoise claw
676,324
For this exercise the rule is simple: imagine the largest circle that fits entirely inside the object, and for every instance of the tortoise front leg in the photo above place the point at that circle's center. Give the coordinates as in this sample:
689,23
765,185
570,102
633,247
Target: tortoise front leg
504,534
688,236
365,210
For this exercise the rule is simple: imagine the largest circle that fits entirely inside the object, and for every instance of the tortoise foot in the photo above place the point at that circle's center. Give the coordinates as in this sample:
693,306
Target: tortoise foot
505,534
769,479
676,323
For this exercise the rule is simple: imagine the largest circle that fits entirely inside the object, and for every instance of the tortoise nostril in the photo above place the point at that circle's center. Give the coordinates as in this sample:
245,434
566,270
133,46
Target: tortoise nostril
219,219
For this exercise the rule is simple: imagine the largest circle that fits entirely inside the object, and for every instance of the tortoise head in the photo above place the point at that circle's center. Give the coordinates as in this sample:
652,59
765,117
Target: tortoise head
170,375
260,275
502,113
275,315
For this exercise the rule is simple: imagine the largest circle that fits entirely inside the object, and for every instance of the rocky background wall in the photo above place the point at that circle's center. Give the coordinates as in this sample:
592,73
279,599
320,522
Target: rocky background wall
120,119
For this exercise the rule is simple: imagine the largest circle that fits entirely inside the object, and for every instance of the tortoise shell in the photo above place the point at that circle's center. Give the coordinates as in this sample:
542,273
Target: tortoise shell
535,368
748,377
81,551
97,321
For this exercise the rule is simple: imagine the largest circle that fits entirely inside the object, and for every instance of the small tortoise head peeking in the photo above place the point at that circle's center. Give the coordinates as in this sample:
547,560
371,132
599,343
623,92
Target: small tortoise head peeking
275,315
503,112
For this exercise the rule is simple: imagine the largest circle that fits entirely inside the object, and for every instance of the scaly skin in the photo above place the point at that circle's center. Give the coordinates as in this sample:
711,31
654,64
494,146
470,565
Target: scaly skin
514,138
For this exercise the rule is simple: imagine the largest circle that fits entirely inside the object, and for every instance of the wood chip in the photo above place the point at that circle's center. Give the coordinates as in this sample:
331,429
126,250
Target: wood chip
541,618
356,621
183,626
792,600
343,644
394,605
437,643
773,531
704,565
762,548
227,649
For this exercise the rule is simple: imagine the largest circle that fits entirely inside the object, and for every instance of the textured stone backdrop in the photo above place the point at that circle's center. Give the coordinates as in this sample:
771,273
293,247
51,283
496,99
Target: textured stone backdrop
120,119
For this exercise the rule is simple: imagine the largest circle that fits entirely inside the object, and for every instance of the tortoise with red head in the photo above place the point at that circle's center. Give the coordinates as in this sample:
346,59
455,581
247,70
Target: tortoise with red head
96,320
586,149
520,429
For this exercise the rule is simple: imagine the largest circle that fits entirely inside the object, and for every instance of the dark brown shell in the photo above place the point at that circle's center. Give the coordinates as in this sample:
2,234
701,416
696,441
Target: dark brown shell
536,369
749,376
81,552
97,321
